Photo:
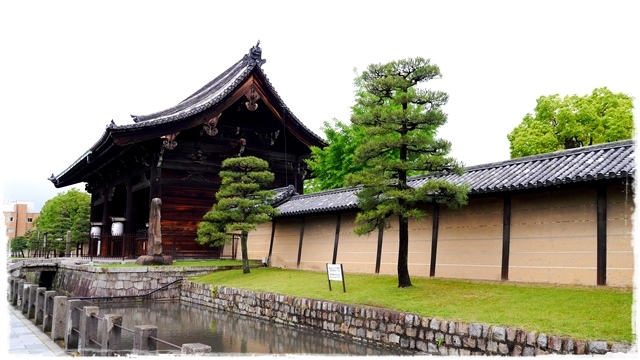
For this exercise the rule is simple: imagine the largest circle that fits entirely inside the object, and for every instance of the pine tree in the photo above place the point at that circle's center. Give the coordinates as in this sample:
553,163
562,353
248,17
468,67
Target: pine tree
400,120
242,204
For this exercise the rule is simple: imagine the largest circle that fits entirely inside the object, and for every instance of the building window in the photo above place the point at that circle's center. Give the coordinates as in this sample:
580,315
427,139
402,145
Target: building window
29,220
10,230
10,218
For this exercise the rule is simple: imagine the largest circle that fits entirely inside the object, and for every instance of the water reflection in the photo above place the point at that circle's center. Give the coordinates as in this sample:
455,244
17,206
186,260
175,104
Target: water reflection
180,323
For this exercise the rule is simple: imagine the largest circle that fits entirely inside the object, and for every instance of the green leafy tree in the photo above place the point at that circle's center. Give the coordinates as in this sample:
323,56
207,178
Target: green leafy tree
242,204
66,211
18,244
399,120
573,121
330,165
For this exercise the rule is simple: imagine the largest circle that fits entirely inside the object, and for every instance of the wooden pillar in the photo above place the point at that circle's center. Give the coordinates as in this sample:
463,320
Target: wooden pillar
434,239
273,232
106,218
93,215
300,243
506,237
337,238
602,236
154,181
130,223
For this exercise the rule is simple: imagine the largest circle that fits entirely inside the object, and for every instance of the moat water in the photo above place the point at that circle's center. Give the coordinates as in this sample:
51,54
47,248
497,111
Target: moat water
227,333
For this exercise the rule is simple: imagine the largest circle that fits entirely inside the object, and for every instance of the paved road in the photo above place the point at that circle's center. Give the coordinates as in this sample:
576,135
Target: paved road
25,339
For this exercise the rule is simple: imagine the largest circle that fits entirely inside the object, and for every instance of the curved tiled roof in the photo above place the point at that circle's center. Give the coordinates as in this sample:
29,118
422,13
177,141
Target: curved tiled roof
332,200
212,93
605,161
206,97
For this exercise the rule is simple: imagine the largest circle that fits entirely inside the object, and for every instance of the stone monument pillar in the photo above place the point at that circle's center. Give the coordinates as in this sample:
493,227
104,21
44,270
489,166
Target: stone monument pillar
154,240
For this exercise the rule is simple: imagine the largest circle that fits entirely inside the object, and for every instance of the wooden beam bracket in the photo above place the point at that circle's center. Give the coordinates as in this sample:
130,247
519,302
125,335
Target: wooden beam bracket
169,141
252,96
210,126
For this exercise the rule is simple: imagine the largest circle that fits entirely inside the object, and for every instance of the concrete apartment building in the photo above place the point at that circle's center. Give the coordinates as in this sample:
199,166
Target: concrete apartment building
18,218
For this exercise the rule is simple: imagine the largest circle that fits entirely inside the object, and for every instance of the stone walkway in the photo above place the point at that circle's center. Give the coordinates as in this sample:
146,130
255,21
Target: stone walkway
25,339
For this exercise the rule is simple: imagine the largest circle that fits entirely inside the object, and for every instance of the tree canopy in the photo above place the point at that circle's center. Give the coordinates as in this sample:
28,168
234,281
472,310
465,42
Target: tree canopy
242,203
330,165
399,119
66,211
18,245
573,121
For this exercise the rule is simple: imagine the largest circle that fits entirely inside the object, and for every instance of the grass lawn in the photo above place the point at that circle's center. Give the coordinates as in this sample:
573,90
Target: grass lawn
587,313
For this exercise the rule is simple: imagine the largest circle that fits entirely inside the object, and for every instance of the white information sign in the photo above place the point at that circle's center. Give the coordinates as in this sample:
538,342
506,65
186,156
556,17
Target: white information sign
335,273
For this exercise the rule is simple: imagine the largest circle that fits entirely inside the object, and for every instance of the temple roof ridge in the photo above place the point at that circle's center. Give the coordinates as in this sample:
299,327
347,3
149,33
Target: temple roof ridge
210,93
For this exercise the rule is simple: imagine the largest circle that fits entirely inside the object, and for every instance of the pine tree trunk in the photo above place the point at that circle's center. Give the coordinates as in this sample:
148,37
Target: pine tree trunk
403,252
245,252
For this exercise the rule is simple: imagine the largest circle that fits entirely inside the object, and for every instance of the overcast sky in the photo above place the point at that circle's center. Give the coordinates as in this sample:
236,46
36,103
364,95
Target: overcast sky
70,67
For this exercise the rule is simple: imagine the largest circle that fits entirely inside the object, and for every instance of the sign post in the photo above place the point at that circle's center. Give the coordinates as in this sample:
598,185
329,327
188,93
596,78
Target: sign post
335,273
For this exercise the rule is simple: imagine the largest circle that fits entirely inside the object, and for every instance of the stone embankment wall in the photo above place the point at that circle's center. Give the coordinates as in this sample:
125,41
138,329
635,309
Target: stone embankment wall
85,280
389,328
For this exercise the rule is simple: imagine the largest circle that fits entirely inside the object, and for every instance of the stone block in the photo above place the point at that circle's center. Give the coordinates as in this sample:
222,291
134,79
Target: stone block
555,344
462,328
452,327
597,347
195,349
528,351
469,342
542,341
475,330
492,347
517,350
444,326
499,333
531,338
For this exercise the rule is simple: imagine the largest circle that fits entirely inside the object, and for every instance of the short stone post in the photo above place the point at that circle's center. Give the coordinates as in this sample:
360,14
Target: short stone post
88,330
48,310
17,285
19,292
59,320
111,334
25,297
195,349
12,288
12,282
31,311
67,249
72,335
142,342
39,314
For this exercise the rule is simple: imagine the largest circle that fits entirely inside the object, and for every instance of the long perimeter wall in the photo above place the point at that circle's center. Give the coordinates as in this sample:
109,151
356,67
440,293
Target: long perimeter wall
572,236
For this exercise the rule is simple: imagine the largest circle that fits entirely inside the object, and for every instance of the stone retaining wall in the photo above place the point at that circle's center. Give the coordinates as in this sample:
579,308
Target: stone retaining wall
85,280
390,328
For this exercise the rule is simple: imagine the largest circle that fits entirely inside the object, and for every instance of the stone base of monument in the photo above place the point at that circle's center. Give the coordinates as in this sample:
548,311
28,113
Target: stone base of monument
154,260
